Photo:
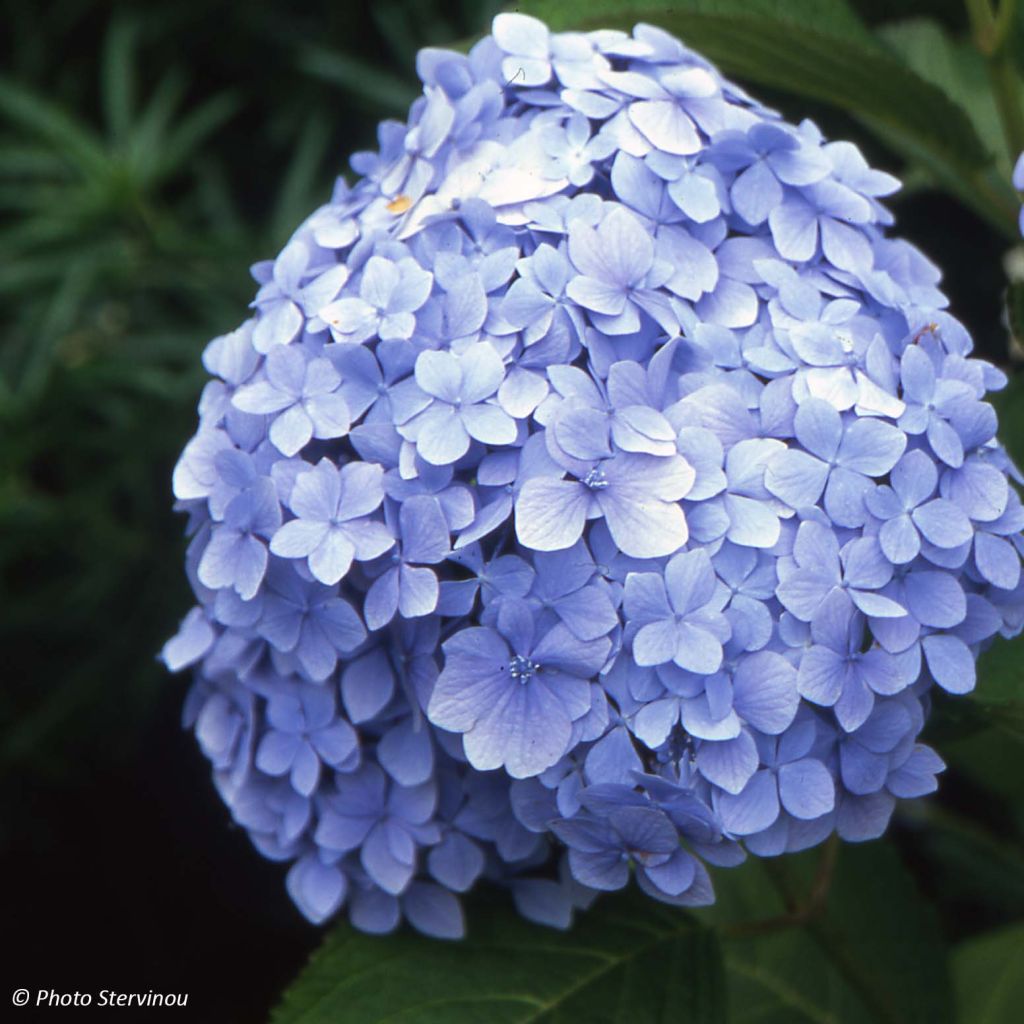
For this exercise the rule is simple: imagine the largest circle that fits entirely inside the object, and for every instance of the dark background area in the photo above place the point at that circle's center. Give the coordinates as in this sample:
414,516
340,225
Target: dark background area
126,230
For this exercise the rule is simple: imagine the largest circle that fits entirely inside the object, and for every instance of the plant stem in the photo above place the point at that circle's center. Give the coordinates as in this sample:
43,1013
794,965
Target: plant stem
991,31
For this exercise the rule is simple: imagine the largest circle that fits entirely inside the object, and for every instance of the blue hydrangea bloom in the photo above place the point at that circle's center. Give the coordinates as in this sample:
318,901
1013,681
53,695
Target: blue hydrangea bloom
597,491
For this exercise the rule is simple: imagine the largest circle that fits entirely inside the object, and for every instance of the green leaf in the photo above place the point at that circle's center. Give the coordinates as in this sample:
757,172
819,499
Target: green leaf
819,49
37,116
378,88
1015,314
628,960
118,81
873,955
970,866
1000,690
297,189
1001,674
988,972
880,930
149,130
957,68
1009,404
185,137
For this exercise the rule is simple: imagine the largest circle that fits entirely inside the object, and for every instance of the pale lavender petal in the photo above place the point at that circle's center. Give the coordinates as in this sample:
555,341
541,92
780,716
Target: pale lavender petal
551,513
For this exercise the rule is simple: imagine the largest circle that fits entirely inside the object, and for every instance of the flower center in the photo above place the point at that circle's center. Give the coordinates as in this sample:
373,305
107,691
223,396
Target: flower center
522,669
595,479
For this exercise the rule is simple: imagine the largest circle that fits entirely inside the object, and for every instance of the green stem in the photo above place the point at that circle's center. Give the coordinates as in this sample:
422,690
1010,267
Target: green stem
991,31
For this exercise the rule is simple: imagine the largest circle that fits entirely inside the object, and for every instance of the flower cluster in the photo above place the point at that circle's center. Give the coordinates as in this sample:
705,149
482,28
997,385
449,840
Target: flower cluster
596,490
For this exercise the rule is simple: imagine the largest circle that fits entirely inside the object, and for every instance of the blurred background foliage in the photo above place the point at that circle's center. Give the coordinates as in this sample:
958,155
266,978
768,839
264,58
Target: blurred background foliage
149,153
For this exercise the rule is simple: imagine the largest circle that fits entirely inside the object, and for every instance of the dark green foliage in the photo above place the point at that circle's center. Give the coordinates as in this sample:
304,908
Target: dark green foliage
626,962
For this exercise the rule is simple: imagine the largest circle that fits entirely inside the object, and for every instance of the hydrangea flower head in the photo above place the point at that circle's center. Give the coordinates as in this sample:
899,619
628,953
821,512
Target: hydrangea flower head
597,491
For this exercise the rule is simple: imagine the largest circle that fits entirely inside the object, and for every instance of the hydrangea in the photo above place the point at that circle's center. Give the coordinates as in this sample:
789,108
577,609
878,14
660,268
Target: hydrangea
597,491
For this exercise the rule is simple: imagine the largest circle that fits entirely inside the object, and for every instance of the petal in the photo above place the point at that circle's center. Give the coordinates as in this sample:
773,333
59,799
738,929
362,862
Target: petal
316,493
298,538
980,489
341,625
821,675
424,530
865,565
589,613
482,373
582,431
855,703
418,592
997,560
474,678
945,441
645,597
871,447
806,789
765,692
261,397
950,662
796,478
862,771
291,431
278,326
751,523
525,731
330,416
900,540
656,643
441,439
754,809
819,428
845,496
367,685
645,528
521,35
914,478
361,489
489,424
755,193
730,763
877,605
276,752
439,375
332,557
406,753
521,392
433,911
942,523
551,513
935,599
846,246
675,876
369,537
794,227
697,650
391,873
597,295
317,889
689,581
665,124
